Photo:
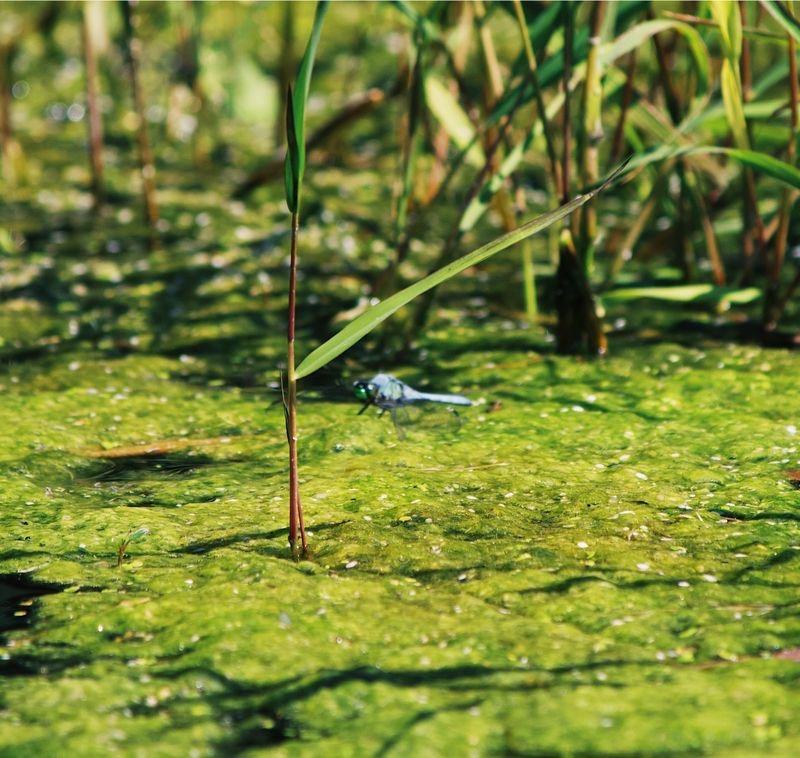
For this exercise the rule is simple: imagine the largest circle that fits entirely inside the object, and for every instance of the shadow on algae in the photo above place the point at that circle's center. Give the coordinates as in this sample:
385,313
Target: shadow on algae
601,558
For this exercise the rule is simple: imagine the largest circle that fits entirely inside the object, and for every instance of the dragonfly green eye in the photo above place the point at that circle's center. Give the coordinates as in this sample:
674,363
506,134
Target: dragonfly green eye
361,392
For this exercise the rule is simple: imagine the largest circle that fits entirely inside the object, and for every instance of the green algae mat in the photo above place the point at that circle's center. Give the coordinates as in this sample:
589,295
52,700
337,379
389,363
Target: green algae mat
599,557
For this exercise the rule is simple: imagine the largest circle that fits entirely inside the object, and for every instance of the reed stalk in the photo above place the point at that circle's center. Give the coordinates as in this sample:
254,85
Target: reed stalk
7,142
774,304
627,97
294,170
286,67
95,119
591,135
133,52
579,328
566,123
296,524
533,74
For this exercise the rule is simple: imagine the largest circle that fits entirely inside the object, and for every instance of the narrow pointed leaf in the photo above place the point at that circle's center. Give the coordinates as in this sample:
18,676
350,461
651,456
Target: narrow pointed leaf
761,162
451,116
296,115
290,163
726,14
365,323
722,297
784,17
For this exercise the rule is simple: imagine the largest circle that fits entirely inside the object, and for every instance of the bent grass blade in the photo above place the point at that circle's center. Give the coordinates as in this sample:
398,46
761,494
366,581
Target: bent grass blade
376,315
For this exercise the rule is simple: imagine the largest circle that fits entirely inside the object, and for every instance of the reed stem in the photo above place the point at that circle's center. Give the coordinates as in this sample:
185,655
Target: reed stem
533,73
133,49
295,508
567,117
591,135
95,122
774,304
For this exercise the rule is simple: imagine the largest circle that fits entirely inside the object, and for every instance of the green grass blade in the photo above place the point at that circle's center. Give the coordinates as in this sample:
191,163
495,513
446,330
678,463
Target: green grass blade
365,323
633,38
719,297
684,293
784,17
761,162
296,114
444,106
726,14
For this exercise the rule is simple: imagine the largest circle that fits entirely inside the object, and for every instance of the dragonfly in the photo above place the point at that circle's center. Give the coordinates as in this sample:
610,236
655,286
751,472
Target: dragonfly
390,394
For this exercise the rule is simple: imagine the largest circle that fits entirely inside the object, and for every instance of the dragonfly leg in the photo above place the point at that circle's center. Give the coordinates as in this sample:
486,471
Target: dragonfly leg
459,420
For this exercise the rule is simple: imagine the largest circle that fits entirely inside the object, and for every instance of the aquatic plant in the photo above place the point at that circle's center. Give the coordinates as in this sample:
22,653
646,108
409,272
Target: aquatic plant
294,169
135,535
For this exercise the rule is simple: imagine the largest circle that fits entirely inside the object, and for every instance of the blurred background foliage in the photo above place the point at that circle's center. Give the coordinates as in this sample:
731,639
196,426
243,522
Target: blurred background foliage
426,132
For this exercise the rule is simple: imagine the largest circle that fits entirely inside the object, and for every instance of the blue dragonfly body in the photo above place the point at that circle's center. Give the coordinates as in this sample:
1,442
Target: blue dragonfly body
390,394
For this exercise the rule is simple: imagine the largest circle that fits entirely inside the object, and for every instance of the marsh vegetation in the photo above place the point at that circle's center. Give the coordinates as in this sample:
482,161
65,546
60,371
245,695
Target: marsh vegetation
579,216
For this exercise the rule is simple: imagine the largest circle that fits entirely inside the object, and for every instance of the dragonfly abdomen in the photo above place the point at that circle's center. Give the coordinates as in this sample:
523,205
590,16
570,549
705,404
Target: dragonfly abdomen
433,397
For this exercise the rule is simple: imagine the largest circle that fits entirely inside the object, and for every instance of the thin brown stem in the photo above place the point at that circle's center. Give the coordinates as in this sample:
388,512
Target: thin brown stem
490,62
579,327
627,98
555,173
714,257
591,134
502,200
95,121
8,145
567,121
295,508
687,254
670,94
774,304
791,150
690,186
752,223
133,50
749,31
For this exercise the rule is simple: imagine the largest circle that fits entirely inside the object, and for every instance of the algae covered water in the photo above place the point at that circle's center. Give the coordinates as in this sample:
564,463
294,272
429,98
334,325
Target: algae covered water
602,556
594,557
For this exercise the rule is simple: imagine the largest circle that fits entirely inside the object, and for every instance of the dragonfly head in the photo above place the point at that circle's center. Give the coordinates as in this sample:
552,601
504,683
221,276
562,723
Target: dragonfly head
364,390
